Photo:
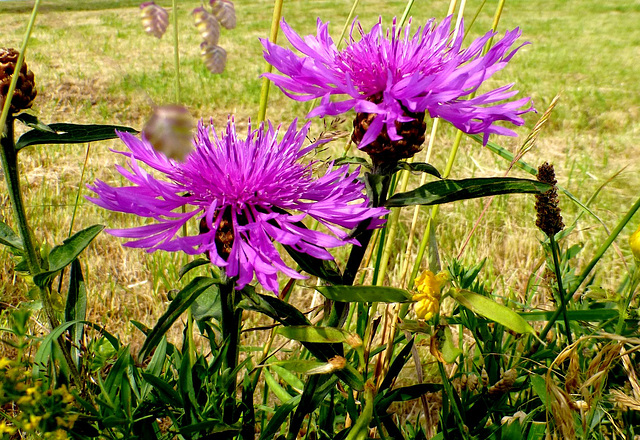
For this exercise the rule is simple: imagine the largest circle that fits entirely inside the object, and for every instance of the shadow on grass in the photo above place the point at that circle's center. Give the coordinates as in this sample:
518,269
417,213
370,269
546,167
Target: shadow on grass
17,6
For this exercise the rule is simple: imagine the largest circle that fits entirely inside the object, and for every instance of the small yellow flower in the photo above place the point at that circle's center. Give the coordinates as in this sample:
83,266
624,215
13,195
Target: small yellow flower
634,243
6,429
427,298
31,390
4,362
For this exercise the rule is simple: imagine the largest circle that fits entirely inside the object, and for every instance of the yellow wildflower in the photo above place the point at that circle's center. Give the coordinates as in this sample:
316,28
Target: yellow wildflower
6,429
427,298
31,390
4,362
634,243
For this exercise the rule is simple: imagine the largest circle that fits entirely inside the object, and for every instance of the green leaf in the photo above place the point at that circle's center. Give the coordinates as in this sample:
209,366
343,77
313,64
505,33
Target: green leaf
192,265
298,366
403,394
488,308
365,294
540,387
446,191
279,418
64,133
44,352
165,390
449,350
61,256
10,238
276,388
291,379
310,333
421,167
594,315
326,270
207,305
352,160
505,154
33,122
76,307
181,303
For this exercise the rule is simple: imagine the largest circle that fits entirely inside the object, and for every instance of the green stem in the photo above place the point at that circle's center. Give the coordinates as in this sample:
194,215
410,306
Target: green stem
363,237
9,159
273,37
176,52
555,251
587,270
634,280
230,324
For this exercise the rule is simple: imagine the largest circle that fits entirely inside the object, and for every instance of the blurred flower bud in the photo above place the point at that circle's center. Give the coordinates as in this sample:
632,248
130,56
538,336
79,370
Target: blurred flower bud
25,91
207,25
155,19
170,131
225,12
214,57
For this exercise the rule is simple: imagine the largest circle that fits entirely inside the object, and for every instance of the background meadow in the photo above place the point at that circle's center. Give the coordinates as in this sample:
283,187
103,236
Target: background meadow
94,63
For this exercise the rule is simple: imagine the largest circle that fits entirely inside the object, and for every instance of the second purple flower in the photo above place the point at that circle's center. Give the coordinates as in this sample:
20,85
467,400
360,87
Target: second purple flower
392,78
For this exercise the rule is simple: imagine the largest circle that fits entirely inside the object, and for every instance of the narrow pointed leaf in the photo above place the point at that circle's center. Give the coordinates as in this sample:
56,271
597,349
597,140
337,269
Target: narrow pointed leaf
33,122
63,255
421,167
446,191
276,388
70,134
76,307
326,270
10,238
488,308
365,294
310,333
182,301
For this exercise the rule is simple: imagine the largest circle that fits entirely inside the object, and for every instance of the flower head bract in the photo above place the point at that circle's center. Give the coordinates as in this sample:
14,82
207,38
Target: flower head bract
394,75
247,194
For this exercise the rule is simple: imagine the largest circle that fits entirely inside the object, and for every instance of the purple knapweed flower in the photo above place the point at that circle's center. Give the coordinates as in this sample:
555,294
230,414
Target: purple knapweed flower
246,193
394,75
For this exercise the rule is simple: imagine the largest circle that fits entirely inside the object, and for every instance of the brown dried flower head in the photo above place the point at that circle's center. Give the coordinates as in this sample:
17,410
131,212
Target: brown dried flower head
549,219
25,91
383,150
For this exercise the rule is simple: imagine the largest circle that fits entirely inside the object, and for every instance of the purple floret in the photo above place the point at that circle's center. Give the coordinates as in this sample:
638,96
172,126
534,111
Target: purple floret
258,184
383,72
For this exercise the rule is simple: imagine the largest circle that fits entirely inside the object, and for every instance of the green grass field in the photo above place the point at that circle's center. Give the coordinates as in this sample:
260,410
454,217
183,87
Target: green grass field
93,63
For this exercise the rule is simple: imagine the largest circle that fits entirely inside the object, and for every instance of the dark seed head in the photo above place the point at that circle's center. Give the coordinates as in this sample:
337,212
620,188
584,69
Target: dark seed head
383,151
549,219
25,91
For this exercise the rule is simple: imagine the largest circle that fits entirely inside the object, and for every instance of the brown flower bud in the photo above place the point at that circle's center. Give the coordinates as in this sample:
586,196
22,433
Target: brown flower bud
25,91
383,151
549,219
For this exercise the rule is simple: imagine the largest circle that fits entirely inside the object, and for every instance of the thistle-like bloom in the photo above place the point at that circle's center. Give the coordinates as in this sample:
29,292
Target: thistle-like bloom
395,76
246,193
427,298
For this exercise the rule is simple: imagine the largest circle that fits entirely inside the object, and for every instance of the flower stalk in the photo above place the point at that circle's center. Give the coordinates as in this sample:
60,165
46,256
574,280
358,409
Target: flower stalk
230,324
273,36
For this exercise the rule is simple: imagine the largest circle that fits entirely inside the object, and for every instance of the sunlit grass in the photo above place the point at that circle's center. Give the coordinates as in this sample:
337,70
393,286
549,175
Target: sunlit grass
93,63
